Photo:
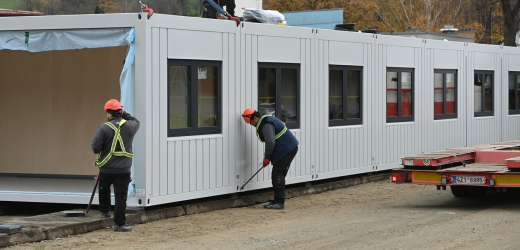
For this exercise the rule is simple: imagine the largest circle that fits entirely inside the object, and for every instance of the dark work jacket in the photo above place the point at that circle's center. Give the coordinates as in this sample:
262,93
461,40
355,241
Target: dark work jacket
103,141
284,144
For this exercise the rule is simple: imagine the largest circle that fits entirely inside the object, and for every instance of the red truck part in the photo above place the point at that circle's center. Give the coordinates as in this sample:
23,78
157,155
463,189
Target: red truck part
469,171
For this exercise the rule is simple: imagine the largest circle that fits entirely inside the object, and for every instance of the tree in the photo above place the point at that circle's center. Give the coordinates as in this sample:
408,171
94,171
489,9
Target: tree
511,18
106,6
429,15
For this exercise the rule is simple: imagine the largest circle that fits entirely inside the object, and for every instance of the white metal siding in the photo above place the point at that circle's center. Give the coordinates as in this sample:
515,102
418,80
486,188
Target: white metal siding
510,123
342,150
481,130
446,133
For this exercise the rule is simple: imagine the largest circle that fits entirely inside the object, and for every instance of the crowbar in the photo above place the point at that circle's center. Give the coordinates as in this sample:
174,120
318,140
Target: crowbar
242,188
93,192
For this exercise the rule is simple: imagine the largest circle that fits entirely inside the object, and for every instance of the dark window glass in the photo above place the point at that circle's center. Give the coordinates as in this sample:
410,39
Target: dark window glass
194,97
399,95
445,94
278,91
514,93
344,95
483,93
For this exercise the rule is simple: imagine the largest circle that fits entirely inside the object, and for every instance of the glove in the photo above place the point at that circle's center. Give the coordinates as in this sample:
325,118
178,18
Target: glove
265,163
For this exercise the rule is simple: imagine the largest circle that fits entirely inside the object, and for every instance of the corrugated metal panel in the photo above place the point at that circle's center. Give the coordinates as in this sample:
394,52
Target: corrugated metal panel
486,129
343,150
398,139
510,123
291,45
442,134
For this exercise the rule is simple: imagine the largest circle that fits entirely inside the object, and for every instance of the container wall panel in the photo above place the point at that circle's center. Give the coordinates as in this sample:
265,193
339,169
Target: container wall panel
510,123
443,133
194,166
398,139
343,149
485,129
270,44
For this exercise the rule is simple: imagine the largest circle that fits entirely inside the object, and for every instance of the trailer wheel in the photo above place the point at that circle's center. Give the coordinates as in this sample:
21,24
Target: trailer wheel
459,191
476,192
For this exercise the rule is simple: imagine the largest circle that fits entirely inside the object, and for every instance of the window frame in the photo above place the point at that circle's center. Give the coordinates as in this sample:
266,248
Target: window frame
399,118
515,111
482,95
195,129
278,88
346,121
444,72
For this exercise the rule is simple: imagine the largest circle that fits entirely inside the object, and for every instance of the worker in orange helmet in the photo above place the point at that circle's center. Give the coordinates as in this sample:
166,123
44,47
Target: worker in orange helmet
113,145
280,148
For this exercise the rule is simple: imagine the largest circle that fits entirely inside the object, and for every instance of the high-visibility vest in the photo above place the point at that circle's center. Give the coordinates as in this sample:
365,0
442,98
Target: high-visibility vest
117,138
282,131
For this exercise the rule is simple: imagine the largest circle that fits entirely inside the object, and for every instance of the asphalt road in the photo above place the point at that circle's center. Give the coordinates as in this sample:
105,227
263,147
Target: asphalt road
378,215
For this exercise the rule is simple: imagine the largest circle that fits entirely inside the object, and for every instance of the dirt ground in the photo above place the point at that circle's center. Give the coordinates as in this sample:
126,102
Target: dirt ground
378,215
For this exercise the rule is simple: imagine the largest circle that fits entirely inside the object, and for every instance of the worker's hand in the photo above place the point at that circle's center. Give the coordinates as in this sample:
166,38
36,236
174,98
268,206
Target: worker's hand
265,163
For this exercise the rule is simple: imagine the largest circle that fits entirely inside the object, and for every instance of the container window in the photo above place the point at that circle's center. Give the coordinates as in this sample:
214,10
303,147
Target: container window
445,94
514,93
483,93
278,92
194,97
399,95
345,91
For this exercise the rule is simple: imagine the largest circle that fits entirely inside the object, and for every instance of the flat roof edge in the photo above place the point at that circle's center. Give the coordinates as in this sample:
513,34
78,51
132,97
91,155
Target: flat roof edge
90,21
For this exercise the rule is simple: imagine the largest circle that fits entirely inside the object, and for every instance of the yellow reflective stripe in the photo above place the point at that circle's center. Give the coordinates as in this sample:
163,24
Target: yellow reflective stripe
278,135
117,138
281,132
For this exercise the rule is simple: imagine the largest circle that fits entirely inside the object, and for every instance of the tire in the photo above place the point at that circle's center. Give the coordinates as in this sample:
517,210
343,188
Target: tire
459,191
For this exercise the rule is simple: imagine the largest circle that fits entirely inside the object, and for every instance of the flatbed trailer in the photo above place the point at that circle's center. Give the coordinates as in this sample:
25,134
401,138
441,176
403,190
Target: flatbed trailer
469,171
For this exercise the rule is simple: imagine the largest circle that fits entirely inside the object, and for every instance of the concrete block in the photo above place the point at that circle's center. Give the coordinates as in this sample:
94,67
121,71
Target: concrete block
9,228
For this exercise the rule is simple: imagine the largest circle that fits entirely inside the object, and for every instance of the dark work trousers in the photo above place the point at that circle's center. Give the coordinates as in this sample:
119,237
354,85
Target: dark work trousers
278,176
120,182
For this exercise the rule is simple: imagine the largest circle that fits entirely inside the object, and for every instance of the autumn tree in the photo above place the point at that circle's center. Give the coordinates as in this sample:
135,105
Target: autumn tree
511,15
429,15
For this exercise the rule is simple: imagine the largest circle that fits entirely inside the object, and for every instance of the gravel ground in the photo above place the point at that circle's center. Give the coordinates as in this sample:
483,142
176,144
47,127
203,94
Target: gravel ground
378,215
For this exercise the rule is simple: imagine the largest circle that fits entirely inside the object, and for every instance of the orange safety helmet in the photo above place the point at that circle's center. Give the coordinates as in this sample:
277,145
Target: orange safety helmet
113,104
247,115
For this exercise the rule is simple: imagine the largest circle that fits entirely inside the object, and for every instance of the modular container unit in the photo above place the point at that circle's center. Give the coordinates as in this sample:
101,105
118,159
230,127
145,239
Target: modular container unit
397,114
342,105
275,76
356,102
510,95
444,96
483,98
180,164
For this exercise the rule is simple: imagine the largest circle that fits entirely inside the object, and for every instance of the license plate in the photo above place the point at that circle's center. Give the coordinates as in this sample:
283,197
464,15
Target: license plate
472,180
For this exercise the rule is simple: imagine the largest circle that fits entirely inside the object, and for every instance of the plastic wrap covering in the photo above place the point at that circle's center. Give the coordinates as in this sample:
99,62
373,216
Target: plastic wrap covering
46,40
263,16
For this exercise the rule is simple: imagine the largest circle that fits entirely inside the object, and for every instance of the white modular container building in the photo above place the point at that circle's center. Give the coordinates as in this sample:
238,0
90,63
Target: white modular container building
356,102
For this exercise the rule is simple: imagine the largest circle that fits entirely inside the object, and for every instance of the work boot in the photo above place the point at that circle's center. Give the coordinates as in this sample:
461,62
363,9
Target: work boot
106,215
279,206
123,228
